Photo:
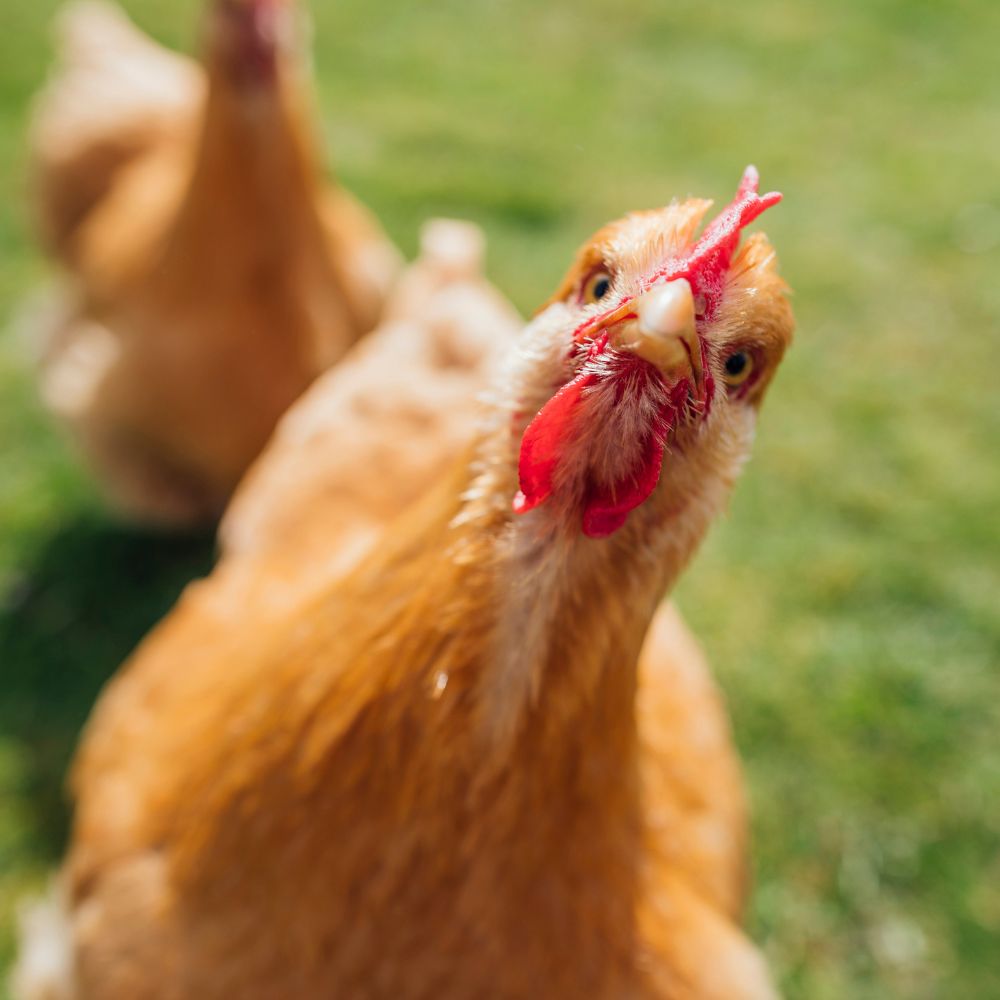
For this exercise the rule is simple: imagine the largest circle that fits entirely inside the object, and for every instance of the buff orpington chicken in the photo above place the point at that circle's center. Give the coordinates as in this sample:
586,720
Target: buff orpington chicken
377,431
212,272
444,775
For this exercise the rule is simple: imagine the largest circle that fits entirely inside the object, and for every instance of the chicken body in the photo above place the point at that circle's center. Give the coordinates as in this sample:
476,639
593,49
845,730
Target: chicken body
212,273
432,778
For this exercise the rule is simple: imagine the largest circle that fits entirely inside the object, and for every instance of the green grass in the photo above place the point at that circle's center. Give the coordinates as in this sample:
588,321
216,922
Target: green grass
850,602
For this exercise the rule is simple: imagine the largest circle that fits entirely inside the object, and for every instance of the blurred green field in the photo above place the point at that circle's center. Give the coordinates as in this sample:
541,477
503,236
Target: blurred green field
850,602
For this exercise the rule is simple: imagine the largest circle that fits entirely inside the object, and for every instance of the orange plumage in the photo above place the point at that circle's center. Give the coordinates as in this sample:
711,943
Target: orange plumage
213,273
449,774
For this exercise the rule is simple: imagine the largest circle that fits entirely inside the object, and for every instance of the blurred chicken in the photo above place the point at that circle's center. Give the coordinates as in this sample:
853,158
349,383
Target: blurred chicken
432,778
213,273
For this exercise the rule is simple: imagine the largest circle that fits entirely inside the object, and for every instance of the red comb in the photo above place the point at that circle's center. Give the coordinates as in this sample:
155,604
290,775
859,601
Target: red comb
706,265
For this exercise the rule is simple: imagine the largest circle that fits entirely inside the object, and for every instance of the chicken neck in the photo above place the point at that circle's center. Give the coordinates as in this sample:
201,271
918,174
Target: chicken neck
255,171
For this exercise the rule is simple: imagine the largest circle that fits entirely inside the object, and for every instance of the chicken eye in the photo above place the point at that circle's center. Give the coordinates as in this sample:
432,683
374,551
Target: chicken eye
596,287
738,367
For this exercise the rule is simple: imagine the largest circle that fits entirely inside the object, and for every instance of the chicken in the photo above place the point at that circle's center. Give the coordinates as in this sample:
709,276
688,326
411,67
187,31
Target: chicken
213,274
441,776
405,399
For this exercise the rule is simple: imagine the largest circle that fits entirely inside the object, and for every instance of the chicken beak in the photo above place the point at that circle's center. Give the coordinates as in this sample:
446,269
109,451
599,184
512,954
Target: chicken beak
659,327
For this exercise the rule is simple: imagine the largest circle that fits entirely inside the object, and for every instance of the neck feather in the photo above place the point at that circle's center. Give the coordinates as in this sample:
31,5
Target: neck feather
255,167
570,612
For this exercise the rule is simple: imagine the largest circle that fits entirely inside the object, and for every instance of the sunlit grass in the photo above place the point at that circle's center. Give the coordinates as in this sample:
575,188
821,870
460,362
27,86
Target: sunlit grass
850,601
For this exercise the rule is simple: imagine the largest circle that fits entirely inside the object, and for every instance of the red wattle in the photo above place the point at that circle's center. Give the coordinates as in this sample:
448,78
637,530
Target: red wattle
607,507
544,441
